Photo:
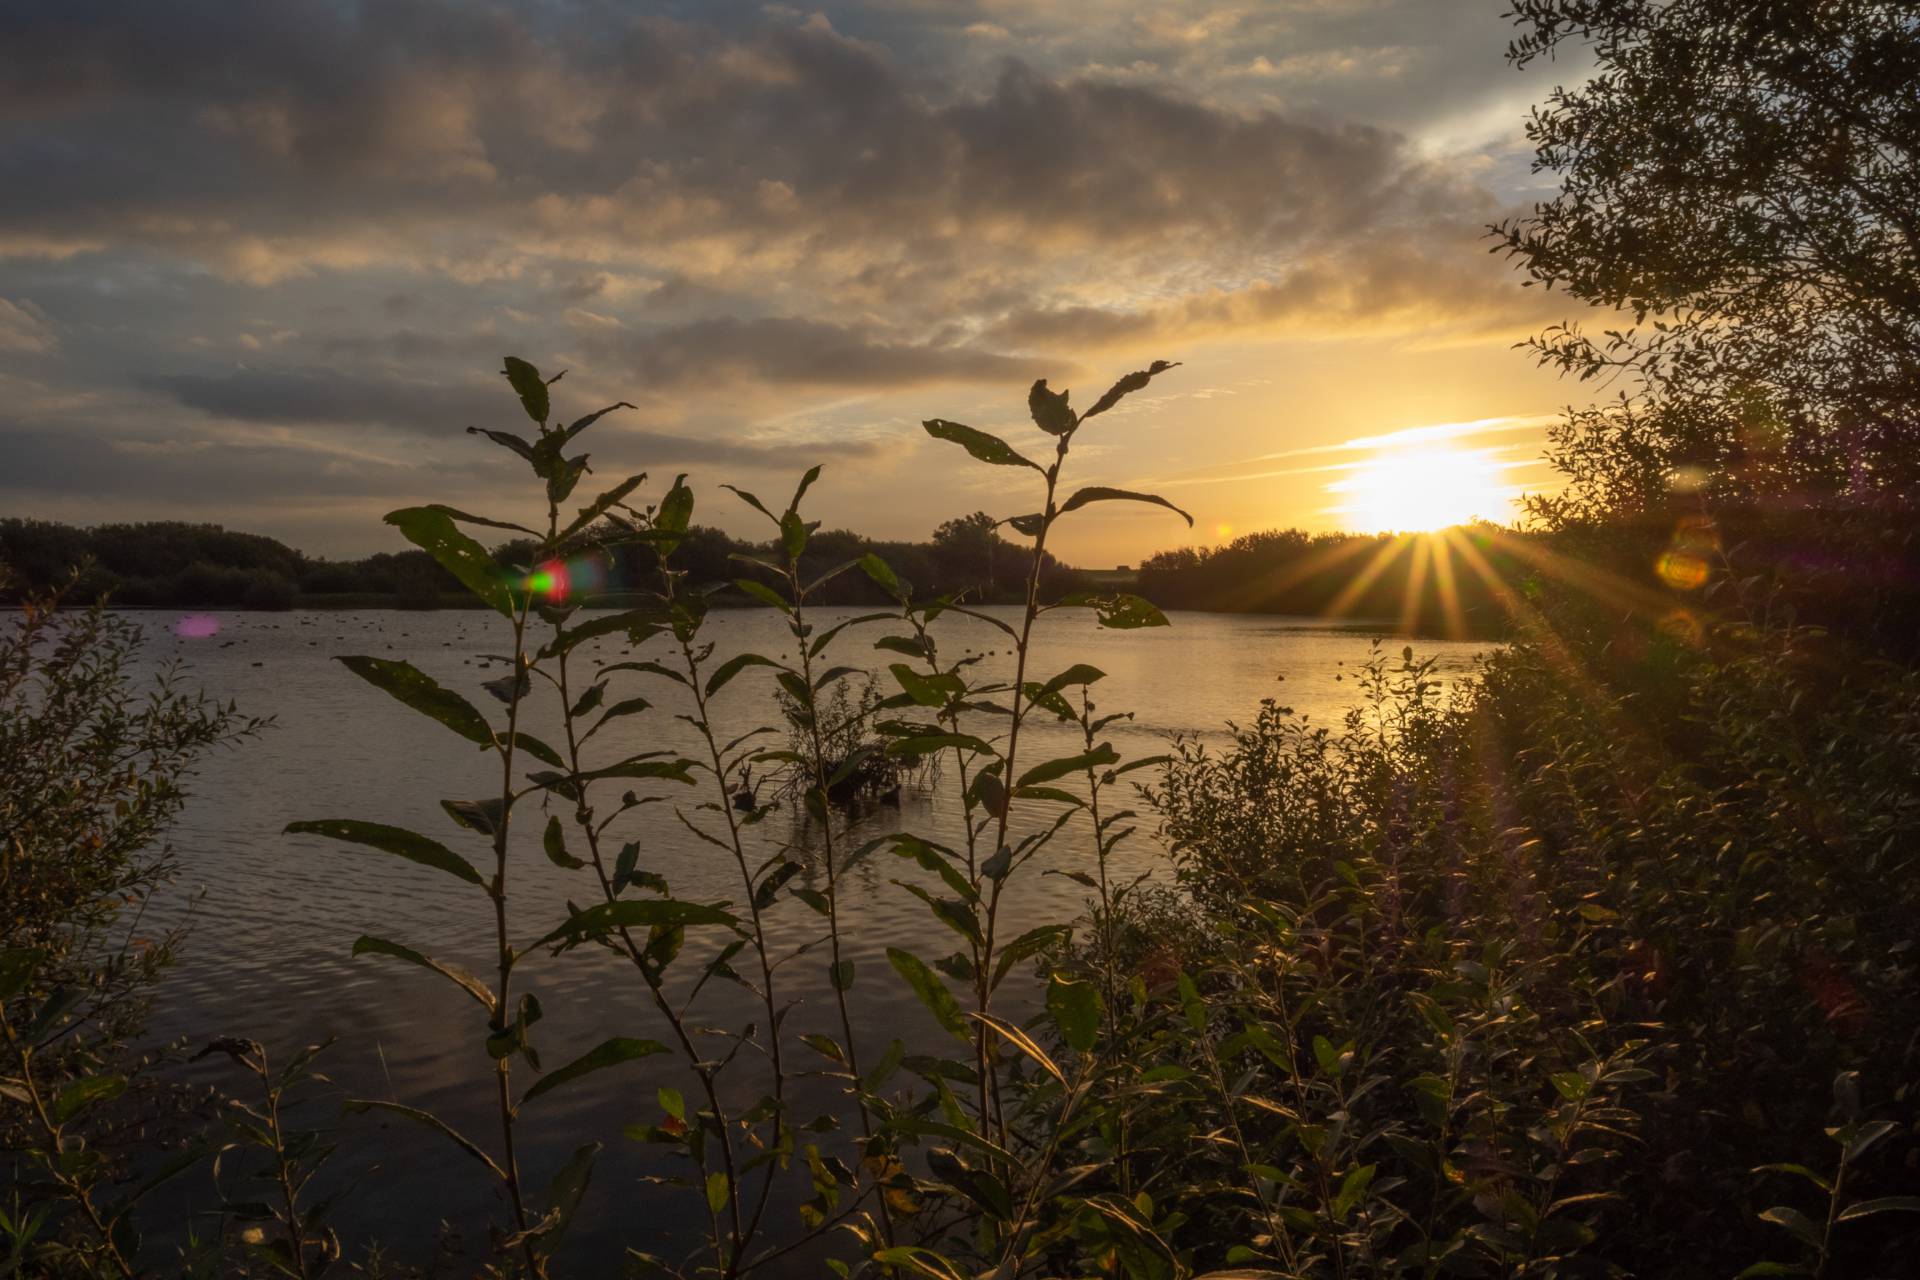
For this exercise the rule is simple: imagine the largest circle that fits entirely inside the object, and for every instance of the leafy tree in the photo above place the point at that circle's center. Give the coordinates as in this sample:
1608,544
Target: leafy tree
1740,180
92,771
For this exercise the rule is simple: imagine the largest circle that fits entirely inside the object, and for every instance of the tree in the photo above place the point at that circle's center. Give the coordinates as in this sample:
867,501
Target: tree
92,770
1739,179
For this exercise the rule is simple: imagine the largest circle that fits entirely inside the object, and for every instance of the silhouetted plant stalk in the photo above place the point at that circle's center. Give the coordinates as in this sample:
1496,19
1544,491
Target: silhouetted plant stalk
822,774
435,529
990,779
52,1122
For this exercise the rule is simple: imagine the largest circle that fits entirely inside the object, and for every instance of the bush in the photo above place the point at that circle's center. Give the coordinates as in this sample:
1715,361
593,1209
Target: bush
1534,934
92,767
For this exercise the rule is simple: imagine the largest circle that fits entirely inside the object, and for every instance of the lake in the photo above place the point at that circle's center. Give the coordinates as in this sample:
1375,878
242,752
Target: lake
273,917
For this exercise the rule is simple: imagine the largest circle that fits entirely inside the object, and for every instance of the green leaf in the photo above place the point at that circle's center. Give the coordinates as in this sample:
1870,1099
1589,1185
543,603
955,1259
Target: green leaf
1885,1204
826,1046
733,666
764,594
1077,674
751,501
604,503
928,691
435,533
882,1070
793,534
1029,944
988,791
1101,493
368,945
1570,1085
431,1121
987,448
626,707
587,701
53,1012
1352,1188
1133,382
483,816
554,842
578,425
395,840
532,746
882,573
408,684
842,975
1023,1042
1065,765
567,1189
921,1261
519,446
936,859
1795,1221
505,439
81,1094
933,993
806,483
927,744
527,384
1119,612
673,515
647,913
1074,1007
608,1053
1191,1005
1049,409
17,966
627,620
636,767
717,1188
763,893
1327,1056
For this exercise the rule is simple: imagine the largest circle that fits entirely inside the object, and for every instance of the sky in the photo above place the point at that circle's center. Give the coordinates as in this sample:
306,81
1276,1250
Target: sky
259,263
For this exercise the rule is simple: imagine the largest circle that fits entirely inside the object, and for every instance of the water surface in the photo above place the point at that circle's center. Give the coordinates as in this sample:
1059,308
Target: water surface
274,916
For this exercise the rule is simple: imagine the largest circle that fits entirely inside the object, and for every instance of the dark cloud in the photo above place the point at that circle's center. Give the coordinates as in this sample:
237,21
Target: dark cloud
328,396
268,138
806,353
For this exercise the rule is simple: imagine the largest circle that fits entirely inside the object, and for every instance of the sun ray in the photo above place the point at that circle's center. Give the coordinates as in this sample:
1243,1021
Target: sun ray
1382,560
1411,602
1447,588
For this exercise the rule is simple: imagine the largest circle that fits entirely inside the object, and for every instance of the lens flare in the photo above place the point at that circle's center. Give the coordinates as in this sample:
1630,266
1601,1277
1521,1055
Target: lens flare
558,580
1687,562
550,580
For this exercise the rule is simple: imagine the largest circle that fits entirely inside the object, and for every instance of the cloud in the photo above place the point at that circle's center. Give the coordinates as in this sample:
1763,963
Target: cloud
277,141
25,330
321,396
1438,284
809,353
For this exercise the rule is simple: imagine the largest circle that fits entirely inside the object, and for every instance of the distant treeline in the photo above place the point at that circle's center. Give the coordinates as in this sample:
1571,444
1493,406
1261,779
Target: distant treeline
1430,585
183,565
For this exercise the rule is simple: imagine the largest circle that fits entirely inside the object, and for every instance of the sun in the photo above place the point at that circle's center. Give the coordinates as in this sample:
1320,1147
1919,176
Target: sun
1420,490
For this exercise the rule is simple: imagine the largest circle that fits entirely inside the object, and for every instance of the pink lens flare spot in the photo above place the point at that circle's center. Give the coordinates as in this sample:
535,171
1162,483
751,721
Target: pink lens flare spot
197,626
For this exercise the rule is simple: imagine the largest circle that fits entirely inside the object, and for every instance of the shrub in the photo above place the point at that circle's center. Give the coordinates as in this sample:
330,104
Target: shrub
92,770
